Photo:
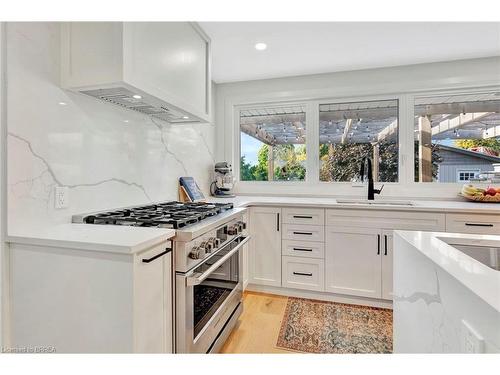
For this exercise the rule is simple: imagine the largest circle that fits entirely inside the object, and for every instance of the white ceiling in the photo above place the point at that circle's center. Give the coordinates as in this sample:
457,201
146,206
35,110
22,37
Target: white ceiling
296,48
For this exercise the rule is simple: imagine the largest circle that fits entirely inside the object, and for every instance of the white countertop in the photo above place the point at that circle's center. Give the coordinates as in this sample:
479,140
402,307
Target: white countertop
418,205
107,238
479,278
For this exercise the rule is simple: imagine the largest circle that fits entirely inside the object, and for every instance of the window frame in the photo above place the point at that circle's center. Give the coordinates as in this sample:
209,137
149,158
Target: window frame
229,134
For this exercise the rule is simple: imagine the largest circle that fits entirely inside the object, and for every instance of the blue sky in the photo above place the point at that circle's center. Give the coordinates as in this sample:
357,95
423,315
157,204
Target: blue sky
249,148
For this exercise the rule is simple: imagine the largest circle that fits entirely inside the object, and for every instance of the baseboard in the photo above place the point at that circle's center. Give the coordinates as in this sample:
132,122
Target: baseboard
322,296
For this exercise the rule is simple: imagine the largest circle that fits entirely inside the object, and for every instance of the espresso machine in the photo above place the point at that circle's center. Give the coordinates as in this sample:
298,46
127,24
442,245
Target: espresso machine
224,181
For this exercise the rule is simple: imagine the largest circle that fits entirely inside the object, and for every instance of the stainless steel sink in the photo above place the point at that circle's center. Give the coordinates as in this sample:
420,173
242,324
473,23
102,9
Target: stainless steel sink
486,252
375,202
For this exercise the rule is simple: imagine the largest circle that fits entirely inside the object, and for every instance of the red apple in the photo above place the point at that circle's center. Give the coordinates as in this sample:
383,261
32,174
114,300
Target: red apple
491,191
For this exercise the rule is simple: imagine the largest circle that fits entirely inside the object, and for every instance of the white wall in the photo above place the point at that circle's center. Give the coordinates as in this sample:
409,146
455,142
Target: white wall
402,82
107,156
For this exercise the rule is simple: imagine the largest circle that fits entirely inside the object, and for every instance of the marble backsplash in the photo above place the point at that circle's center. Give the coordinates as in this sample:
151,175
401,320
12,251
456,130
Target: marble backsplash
107,156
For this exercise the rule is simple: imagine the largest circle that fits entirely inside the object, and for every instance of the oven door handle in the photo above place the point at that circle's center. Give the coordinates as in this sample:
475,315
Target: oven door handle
199,278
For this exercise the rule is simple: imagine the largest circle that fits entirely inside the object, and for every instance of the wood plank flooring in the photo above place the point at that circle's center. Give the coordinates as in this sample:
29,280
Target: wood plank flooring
258,327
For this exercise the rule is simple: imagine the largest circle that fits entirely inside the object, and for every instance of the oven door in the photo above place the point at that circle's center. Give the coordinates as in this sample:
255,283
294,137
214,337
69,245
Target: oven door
207,298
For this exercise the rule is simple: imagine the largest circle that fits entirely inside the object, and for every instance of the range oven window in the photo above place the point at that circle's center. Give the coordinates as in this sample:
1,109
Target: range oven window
213,291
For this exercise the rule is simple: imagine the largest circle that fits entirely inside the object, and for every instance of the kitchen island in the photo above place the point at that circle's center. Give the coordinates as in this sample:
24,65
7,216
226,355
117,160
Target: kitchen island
446,293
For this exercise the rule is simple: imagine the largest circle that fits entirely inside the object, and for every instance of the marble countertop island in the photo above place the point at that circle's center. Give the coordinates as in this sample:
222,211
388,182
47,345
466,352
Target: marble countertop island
446,292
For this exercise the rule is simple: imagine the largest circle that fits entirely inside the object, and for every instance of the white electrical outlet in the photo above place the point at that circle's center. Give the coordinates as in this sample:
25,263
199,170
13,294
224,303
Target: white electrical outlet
472,341
61,197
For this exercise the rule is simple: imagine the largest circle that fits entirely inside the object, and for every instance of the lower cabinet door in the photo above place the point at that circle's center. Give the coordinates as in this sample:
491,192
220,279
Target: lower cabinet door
303,273
265,246
153,301
353,261
387,256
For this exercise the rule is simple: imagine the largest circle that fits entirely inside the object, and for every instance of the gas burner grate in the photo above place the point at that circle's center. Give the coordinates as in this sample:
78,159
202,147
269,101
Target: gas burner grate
166,215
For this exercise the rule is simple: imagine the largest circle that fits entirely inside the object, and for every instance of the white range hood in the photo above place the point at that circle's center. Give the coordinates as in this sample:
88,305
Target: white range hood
161,69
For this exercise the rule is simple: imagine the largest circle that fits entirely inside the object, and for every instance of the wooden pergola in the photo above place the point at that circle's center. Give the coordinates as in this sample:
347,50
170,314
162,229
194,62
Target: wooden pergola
465,116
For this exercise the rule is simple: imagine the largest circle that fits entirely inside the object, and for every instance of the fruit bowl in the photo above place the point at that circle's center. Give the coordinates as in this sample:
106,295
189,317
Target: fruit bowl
475,194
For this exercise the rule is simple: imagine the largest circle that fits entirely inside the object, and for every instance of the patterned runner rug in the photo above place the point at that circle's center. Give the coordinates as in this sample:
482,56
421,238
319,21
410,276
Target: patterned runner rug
327,327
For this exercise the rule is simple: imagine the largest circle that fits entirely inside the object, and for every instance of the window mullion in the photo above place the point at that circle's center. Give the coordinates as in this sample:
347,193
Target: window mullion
312,142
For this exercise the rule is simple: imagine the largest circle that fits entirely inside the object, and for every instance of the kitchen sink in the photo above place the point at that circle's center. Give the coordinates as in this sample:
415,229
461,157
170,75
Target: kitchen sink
486,252
375,202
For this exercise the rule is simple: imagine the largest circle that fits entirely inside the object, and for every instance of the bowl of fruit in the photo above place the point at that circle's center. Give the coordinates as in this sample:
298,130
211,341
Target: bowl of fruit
476,194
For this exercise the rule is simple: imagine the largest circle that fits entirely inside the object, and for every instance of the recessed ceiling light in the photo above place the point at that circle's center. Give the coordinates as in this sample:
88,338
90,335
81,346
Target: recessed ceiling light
63,103
185,117
136,96
125,120
260,46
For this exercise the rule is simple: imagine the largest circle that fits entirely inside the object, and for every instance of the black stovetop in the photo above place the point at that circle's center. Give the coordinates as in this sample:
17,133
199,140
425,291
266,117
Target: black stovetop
165,215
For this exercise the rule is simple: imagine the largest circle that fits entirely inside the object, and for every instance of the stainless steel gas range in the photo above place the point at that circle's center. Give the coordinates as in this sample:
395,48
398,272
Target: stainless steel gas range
208,254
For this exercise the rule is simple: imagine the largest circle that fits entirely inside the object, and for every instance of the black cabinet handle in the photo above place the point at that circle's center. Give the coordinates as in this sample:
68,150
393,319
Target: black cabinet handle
303,273
378,244
478,225
302,217
168,250
278,222
302,249
385,244
304,233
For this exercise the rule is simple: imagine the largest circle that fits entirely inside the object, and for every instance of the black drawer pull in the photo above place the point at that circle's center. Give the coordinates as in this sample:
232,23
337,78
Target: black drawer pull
304,233
302,249
303,273
378,244
302,217
168,250
478,225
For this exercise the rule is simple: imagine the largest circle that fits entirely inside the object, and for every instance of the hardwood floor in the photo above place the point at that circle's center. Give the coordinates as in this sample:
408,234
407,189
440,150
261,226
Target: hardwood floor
258,327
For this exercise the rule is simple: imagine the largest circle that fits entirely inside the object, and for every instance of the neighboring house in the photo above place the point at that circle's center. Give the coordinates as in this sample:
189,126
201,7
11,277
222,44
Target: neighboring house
460,165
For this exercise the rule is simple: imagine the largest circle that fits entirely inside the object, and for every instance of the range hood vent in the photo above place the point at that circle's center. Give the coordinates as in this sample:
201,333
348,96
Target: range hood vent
145,104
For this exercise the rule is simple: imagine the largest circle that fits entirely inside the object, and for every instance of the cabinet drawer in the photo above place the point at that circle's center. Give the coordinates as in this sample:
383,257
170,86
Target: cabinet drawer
303,232
308,216
303,273
426,221
480,224
307,249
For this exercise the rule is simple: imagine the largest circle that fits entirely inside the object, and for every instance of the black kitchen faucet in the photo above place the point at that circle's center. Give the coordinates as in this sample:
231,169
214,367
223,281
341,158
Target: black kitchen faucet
371,190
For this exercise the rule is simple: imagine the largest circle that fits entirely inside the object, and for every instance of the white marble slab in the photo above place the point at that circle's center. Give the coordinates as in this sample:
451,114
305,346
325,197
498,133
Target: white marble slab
107,156
439,292
107,238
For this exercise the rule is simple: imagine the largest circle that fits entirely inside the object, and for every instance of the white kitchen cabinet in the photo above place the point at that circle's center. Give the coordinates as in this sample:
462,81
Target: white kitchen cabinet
80,301
305,249
387,260
265,246
166,63
303,273
299,232
473,223
308,216
353,262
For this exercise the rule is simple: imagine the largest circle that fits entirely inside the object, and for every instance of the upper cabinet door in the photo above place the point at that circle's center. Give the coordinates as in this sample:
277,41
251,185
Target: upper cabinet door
265,248
353,262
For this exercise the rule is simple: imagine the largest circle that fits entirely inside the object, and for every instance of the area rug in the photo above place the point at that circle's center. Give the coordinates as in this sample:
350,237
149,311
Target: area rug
326,327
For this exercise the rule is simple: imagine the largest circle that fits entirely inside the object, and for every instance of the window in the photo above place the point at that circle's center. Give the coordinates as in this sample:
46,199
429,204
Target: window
348,132
466,175
457,137
273,143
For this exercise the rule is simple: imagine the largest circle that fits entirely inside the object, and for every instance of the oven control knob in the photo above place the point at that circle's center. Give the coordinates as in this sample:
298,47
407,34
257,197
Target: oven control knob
213,243
207,246
197,252
217,242
232,230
